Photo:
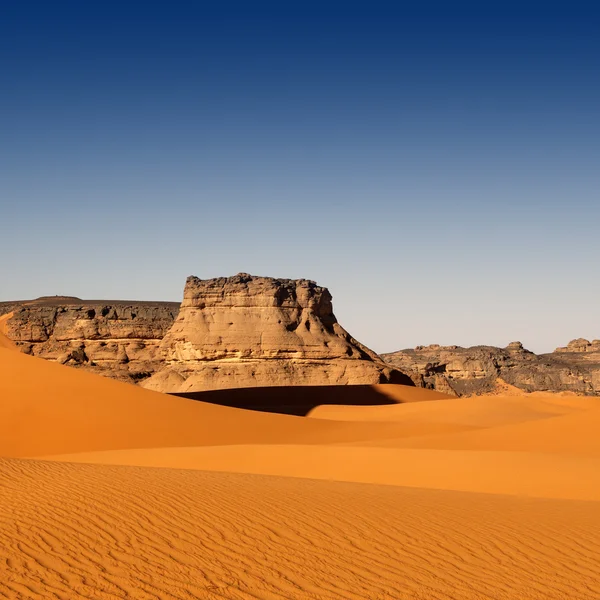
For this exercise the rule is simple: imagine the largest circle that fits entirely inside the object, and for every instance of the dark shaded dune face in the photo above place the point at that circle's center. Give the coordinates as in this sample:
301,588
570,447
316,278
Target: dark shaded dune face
293,400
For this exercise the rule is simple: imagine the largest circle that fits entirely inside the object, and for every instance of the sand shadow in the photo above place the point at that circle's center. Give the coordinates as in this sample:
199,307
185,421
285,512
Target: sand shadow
292,400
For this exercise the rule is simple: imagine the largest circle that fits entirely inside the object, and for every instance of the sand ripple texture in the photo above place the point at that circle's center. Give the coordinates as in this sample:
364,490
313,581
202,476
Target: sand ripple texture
98,532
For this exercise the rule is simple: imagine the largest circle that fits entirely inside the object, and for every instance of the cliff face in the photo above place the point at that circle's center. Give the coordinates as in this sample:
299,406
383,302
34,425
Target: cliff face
118,339
581,345
8,307
229,332
257,331
466,371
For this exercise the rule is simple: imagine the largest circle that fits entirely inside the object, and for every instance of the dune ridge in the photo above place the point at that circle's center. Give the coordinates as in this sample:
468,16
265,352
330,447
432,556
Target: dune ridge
524,474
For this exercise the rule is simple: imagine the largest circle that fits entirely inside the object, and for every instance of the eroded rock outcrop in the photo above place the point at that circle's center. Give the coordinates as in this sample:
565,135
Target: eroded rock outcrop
118,339
580,345
476,370
258,331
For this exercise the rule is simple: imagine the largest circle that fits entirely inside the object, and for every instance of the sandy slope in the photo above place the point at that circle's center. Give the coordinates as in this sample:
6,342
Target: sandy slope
115,532
540,446
523,474
574,434
5,342
495,498
474,411
548,423
47,408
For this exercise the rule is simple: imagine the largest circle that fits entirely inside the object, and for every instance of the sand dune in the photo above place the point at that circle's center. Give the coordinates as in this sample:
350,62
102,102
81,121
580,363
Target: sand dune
528,474
575,433
47,408
114,532
474,411
480,498
303,400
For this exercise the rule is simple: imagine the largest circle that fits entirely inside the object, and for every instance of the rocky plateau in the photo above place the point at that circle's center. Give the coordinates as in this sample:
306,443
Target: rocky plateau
476,370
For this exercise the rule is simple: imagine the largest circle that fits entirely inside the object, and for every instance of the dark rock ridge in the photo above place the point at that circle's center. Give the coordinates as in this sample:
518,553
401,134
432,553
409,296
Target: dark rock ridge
475,370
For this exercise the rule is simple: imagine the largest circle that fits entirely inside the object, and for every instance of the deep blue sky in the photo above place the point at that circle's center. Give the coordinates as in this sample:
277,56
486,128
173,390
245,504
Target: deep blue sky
437,169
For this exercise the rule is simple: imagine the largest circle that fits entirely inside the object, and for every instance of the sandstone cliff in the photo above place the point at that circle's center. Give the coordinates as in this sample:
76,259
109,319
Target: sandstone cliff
118,339
257,331
466,371
581,345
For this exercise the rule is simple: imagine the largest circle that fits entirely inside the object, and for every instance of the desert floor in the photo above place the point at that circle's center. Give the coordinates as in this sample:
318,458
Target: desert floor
111,491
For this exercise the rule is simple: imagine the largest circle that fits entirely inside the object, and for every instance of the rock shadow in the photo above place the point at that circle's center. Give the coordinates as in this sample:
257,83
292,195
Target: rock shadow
291,400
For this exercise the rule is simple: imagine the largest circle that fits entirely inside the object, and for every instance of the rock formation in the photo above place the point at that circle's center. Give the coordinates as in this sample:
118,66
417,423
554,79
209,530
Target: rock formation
475,370
229,332
118,339
257,331
581,345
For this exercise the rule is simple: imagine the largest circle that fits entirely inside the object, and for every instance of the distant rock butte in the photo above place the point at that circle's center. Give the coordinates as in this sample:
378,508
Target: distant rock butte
476,370
246,331
581,345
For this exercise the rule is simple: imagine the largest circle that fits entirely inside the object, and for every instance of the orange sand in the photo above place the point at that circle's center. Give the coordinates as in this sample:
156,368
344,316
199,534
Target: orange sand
4,341
478,498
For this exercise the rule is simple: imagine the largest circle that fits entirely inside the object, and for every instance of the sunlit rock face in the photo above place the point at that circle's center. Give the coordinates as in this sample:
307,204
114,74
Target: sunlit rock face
117,339
259,331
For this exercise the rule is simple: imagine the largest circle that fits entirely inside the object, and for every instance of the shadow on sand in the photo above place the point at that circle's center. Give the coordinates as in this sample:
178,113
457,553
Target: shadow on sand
292,400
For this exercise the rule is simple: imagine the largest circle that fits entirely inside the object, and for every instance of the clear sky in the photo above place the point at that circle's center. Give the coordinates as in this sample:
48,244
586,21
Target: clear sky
437,168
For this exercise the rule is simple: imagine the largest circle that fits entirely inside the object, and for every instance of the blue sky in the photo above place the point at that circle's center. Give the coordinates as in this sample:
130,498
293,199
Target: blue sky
436,168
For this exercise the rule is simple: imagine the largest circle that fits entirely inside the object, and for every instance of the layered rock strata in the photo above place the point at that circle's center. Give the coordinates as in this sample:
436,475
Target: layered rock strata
118,339
475,370
580,345
246,331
